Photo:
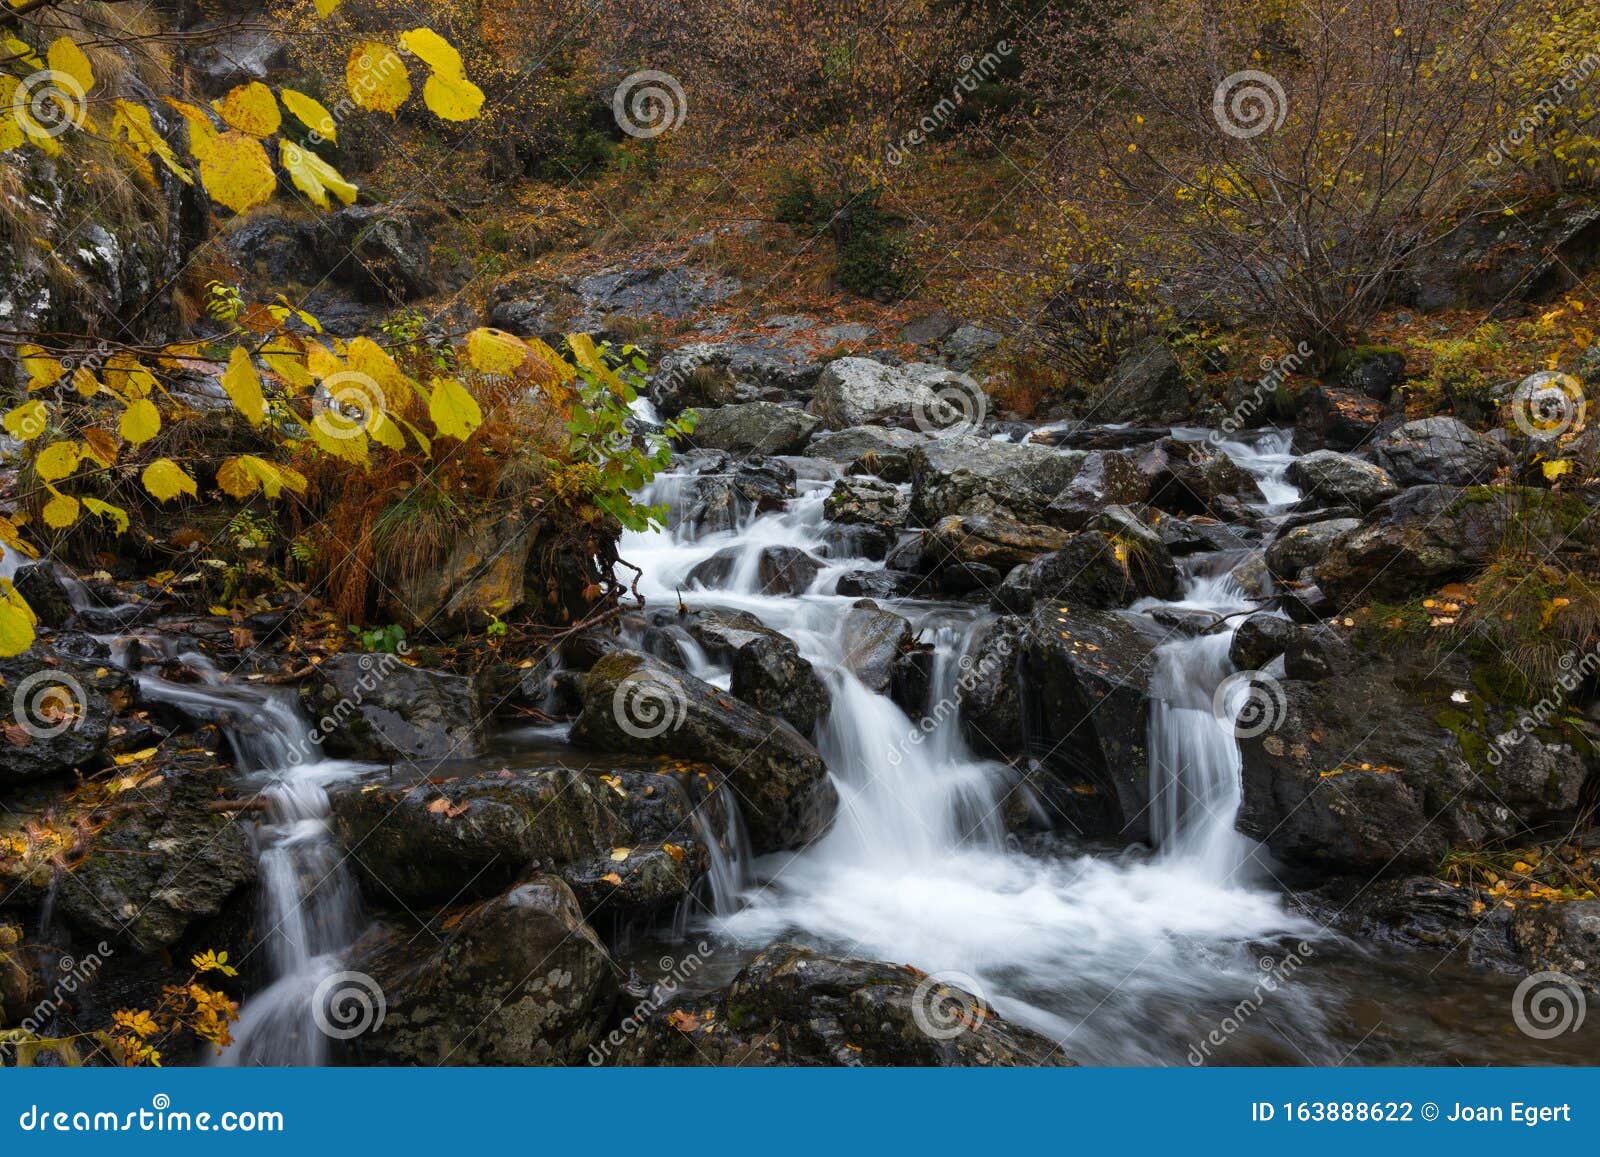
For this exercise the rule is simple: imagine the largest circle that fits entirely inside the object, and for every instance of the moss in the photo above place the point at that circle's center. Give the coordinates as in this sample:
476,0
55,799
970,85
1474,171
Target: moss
1470,735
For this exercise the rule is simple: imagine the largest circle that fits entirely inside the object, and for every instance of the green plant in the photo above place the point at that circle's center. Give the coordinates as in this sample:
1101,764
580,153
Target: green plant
388,639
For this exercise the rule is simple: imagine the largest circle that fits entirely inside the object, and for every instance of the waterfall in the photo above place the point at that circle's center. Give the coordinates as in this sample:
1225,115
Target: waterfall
311,910
918,866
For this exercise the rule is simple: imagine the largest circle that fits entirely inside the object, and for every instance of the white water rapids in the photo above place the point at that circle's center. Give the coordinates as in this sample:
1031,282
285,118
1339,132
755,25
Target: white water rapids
1111,953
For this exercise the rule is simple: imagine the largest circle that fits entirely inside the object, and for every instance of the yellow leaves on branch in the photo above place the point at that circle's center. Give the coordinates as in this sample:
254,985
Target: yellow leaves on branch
447,92
376,77
494,351
243,386
57,461
313,176
27,421
17,621
66,59
140,422
242,476
250,108
61,511
236,172
165,480
132,127
454,411
309,112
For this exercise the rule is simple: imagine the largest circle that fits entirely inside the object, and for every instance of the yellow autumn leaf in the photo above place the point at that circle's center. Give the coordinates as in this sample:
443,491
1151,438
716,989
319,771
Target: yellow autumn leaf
384,432
103,509
84,381
433,50
338,437
313,176
452,98
366,356
1554,468
64,56
494,351
57,461
61,511
12,537
165,479
100,445
454,411
236,172
243,385
126,376
131,124
242,476
325,8
17,621
376,77
27,421
141,421
43,370
309,112
250,108
588,356
201,130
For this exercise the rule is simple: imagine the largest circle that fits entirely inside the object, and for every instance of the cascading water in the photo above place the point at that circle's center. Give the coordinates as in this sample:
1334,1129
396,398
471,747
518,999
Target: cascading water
311,910
918,867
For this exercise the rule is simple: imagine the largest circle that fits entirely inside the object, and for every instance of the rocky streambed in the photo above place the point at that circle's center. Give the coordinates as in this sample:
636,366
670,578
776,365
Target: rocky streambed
932,742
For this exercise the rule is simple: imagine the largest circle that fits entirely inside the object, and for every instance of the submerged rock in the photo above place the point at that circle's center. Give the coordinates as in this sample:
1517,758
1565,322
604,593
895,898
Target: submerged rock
779,570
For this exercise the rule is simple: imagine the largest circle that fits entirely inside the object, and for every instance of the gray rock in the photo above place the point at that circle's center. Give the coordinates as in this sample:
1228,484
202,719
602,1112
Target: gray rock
859,442
634,703
968,475
673,292
56,712
993,539
519,980
1328,476
1292,551
968,345
1562,938
780,570
863,392
1439,451
1147,385
755,428
990,692
875,640
863,501
374,707
1107,478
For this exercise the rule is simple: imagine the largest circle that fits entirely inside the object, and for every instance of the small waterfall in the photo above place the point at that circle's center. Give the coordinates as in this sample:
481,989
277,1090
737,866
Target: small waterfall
311,910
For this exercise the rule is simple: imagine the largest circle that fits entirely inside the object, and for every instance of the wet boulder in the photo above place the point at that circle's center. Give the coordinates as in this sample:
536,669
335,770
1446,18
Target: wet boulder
1294,550
1380,769
879,584
1190,478
374,707
1261,639
779,570
1086,706
1429,535
857,443
993,539
866,502
1327,416
634,703
1148,385
160,859
518,980
794,1006
40,585
768,670
755,428
721,498
967,475
56,712
474,836
1439,451
1107,478
1094,571
875,641
1424,912
1328,476
989,691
